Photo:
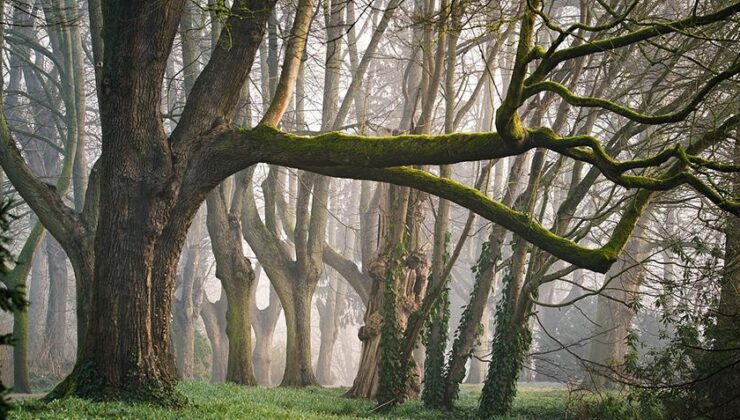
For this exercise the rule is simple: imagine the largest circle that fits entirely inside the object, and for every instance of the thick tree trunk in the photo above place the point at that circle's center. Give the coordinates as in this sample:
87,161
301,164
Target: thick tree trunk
239,330
298,365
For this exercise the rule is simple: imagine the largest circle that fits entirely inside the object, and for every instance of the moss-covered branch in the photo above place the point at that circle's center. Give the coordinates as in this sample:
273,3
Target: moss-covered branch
522,224
265,144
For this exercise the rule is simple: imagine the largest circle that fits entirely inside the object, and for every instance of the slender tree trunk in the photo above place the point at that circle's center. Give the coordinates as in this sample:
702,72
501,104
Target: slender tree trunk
264,322
237,279
53,356
329,317
477,371
214,319
37,295
186,310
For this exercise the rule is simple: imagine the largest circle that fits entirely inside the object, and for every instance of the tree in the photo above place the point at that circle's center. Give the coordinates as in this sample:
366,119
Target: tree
10,299
149,185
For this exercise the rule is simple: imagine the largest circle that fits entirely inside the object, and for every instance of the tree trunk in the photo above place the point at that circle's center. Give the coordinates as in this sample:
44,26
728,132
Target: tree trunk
298,365
365,384
262,355
329,317
185,309
237,279
264,322
214,319
477,371
38,293
511,340
53,357
239,330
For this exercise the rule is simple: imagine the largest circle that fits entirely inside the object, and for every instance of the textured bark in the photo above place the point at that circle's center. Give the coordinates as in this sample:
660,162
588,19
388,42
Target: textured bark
365,384
298,366
147,199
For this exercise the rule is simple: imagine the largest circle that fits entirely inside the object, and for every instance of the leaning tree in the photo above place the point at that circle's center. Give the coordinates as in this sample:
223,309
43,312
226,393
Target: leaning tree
125,242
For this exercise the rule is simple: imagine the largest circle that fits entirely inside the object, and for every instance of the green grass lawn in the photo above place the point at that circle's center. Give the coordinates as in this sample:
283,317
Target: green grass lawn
237,402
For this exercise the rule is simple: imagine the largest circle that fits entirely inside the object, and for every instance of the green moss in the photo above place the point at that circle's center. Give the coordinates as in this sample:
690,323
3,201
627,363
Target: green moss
85,382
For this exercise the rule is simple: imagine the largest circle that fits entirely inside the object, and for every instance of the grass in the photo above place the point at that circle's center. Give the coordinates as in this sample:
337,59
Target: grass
210,401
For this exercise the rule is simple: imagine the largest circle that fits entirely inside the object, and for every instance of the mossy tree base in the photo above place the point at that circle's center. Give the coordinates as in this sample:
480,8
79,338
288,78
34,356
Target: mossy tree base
86,383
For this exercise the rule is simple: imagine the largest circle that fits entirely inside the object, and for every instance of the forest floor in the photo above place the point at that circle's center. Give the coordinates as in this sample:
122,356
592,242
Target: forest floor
226,401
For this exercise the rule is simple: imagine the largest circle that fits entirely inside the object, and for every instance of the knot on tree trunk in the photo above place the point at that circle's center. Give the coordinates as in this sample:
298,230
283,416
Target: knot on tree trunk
371,328
377,269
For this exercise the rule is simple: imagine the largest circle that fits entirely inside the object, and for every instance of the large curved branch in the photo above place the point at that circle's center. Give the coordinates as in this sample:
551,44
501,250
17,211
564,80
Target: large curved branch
44,199
343,150
520,223
359,281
